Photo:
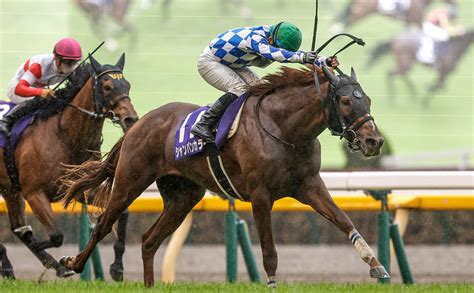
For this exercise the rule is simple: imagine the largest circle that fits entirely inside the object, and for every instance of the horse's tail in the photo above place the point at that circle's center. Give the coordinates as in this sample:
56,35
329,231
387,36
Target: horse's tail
93,178
378,52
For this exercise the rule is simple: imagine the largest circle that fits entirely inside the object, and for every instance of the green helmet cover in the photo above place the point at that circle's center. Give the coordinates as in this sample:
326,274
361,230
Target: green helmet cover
286,36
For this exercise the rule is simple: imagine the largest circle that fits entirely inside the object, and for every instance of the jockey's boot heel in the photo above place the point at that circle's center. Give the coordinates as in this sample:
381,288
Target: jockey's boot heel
204,128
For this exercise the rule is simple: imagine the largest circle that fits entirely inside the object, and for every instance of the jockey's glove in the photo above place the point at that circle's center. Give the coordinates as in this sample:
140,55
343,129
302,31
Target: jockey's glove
309,57
48,93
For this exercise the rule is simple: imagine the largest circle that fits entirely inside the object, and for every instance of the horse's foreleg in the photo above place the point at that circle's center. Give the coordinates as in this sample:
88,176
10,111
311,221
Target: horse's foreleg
261,209
116,269
41,207
314,193
16,214
6,270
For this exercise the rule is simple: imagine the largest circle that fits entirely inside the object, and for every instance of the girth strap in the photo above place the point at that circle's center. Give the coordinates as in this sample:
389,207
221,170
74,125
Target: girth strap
216,167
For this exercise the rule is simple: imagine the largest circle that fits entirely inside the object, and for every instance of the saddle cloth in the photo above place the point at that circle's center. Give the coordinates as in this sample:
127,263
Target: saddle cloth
186,144
18,128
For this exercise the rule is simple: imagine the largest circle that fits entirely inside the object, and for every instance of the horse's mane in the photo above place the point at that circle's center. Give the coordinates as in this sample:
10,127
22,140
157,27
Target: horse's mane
64,95
285,77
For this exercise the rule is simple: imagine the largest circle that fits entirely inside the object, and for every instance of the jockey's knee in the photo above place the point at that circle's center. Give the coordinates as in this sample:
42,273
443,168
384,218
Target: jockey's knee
239,90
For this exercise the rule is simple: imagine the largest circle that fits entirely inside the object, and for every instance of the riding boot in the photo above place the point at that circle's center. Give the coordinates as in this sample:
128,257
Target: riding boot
204,128
5,125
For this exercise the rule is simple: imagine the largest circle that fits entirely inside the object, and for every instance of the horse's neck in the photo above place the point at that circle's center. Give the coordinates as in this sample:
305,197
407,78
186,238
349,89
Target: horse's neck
79,129
297,112
461,43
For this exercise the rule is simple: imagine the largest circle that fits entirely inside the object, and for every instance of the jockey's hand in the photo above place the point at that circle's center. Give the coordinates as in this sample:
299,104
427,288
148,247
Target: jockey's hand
309,57
332,62
48,93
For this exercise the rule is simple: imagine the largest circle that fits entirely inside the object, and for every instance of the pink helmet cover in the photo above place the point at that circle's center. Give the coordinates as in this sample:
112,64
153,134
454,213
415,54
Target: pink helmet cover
68,48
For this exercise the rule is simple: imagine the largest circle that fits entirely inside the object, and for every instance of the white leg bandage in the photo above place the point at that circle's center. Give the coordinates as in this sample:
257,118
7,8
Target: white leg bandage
365,252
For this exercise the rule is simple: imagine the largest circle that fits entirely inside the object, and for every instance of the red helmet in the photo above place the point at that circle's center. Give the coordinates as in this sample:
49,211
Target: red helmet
68,49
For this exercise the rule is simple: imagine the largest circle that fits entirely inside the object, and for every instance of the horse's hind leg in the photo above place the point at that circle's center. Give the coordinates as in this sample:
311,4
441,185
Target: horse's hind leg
180,196
131,179
116,269
6,270
314,193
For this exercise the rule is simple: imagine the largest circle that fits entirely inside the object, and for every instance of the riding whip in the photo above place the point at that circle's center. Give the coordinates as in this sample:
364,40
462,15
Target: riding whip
315,28
70,73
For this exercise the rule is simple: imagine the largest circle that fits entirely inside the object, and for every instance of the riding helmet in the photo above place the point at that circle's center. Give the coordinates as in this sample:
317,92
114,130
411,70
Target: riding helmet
286,36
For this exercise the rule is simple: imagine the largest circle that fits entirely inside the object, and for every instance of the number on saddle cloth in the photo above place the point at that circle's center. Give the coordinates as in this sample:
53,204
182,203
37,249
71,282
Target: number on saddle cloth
19,118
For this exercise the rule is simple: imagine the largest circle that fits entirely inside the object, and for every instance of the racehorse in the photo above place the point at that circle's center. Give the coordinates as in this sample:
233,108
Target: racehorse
68,130
357,10
274,153
117,10
405,46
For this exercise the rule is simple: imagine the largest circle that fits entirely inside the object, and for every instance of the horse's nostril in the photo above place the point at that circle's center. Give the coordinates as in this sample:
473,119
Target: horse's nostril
129,121
371,143
381,141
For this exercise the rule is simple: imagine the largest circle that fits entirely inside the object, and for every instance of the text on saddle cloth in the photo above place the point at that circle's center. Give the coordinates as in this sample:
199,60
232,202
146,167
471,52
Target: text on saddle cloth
187,144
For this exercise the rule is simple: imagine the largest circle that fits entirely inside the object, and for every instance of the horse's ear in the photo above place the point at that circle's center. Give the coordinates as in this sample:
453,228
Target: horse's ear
95,64
121,62
333,79
353,74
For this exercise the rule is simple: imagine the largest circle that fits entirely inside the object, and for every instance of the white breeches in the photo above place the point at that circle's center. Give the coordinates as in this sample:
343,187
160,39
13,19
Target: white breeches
223,77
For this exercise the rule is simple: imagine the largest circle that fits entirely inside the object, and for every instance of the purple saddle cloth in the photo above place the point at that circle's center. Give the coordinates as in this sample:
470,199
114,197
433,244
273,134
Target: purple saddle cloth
18,128
186,144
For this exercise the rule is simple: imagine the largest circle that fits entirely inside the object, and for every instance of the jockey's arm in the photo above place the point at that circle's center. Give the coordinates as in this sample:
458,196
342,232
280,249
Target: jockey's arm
24,88
452,28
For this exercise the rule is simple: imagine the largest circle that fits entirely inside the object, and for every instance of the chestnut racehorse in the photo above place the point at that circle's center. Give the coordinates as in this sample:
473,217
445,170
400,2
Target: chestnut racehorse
67,131
274,153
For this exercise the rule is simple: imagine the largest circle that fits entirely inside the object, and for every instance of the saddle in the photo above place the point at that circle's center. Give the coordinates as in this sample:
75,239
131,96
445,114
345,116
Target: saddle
25,118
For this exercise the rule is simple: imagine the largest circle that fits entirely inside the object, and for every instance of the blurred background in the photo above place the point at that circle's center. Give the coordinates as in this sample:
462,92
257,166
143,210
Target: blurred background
162,39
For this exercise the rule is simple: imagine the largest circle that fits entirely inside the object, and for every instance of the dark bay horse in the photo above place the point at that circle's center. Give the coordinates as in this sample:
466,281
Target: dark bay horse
274,153
404,48
356,10
68,131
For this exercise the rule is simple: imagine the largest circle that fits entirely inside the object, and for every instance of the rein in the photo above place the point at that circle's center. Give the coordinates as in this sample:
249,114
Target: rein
348,129
257,111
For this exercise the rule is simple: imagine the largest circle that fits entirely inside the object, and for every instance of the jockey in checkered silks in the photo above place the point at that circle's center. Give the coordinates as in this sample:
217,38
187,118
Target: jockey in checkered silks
225,63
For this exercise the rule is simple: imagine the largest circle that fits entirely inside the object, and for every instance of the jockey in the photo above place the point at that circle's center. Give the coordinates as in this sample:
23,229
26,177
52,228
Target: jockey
439,26
225,63
34,77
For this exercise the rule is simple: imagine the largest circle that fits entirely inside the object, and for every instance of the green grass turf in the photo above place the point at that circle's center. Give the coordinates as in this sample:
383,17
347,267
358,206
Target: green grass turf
78,286
162,65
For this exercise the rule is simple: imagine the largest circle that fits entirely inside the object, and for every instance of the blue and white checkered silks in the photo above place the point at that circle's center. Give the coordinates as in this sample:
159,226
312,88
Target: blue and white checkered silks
240,47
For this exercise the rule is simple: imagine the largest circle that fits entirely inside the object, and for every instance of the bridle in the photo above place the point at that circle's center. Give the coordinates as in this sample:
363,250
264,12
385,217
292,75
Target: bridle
340,125
102,106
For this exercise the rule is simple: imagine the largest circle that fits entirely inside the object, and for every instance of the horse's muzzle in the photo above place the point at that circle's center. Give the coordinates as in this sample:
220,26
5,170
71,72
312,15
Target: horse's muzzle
371,146
128,122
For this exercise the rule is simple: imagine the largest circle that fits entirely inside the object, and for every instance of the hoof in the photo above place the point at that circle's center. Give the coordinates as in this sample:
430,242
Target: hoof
379,272
272,284
116,272
7,274
67,261
62,272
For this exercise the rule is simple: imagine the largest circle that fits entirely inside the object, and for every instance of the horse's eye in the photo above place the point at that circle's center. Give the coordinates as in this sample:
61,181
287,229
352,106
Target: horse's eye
107,87
345,102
